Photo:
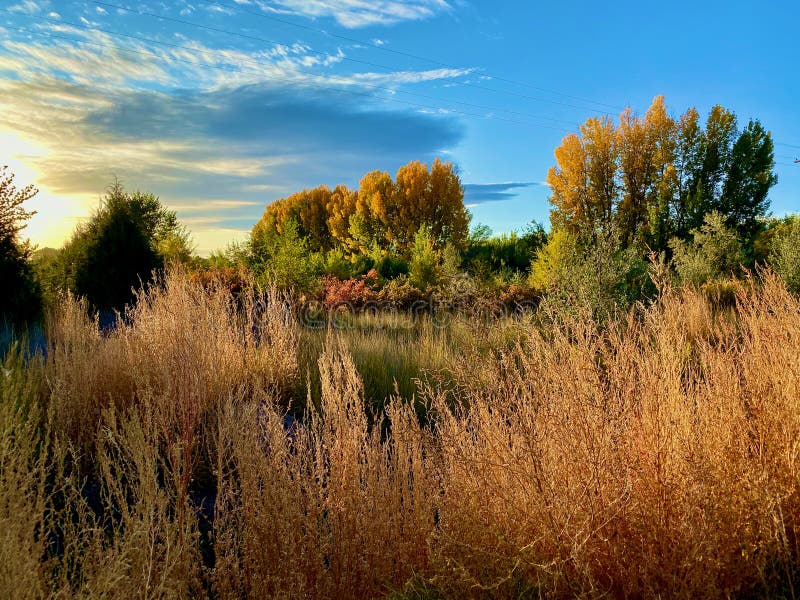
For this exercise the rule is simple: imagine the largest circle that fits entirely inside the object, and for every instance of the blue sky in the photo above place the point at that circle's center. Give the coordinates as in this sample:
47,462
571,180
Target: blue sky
221,106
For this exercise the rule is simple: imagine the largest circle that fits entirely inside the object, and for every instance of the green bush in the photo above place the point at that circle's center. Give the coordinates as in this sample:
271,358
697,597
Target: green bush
715,252
391,266
337,265
588,278
785,255
283,260
423,268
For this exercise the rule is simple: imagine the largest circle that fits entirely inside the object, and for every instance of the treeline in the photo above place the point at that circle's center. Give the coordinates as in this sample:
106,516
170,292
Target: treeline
654,178
646,192
412,230
693,197
382,213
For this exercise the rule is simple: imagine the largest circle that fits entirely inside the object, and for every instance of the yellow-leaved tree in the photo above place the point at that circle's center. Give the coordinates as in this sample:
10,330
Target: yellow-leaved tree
584,181
383,215
652,177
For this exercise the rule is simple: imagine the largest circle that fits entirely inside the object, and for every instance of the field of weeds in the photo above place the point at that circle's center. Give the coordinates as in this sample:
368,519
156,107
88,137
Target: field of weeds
207,448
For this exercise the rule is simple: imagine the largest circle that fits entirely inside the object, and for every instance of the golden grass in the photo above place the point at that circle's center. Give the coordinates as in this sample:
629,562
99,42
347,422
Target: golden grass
654,457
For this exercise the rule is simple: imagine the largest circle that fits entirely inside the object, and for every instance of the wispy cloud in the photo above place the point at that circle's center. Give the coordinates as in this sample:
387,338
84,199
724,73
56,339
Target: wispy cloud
359,13
28,6
479,193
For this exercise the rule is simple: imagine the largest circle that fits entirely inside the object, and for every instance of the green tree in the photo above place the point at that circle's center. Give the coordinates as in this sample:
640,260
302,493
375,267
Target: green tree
283,259
749,177
117,250
428,265
20,301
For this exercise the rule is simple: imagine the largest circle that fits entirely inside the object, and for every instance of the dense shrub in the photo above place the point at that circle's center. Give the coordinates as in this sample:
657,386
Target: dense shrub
785,255
391,266
591,278
402,295
715,252
352,293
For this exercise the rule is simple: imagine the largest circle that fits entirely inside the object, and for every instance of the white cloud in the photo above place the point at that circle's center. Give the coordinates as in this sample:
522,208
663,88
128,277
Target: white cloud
361,13
27,7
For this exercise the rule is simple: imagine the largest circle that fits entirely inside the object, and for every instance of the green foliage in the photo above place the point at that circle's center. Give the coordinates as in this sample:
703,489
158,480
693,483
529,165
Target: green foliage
785,255
337,265
121,247
173,241
20,300
283,260
514,252
749,178
49,270
593,278
715,252
425,262
391,266
553,260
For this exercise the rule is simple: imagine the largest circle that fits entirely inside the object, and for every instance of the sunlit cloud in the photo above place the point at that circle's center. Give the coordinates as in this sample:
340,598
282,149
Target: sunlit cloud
216,132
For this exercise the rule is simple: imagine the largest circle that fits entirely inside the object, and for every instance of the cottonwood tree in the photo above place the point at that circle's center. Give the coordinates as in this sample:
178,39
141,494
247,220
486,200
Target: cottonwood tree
584,182
653,178
383,216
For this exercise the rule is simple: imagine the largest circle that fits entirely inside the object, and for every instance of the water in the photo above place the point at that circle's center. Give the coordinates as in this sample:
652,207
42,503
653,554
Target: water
32,337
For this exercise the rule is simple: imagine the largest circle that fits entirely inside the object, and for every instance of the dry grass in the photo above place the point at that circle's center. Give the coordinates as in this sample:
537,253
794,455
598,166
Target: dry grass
657,458
654,457
330,510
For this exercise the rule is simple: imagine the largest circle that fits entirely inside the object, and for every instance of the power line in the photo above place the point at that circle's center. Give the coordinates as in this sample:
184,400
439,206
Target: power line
328,88
284,80
268,64
318,52
405,53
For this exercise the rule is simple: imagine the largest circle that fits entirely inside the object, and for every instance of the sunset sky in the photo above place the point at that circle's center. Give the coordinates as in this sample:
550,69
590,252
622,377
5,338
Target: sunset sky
222,106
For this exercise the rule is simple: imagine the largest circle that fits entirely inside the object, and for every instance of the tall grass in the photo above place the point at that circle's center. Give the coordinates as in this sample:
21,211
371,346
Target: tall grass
653,456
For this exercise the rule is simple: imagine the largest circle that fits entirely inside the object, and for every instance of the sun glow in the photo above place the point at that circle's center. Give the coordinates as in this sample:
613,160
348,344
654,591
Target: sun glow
56,214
